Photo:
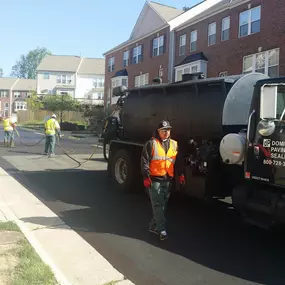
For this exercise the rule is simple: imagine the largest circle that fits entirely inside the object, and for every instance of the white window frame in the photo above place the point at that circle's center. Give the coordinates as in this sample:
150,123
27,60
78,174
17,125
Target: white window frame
212,34
158,46
182,45
17,94
126,57
3,93
142,80
46,75
63,79
111,64
98,83
228,25
198,65
266,66
20,104
137,55
249,21
193,39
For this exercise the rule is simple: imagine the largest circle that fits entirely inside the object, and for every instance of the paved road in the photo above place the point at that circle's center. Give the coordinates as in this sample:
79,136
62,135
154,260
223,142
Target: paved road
207,245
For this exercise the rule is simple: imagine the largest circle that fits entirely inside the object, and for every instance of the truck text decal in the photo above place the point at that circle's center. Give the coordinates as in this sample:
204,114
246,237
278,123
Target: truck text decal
276,151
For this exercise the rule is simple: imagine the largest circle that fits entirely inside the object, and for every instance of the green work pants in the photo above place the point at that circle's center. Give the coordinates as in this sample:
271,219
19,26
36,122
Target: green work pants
159,195
9,138
50,144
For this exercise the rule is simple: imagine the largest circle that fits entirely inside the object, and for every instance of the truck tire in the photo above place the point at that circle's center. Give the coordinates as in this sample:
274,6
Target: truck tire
106,147
123,170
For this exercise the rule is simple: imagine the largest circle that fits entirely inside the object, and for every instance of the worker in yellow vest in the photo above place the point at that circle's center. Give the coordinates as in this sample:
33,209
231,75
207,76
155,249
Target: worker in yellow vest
158,160
51,128
9,134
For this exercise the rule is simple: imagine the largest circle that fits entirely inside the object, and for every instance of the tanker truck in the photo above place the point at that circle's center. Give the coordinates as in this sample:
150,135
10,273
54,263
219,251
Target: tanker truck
229,131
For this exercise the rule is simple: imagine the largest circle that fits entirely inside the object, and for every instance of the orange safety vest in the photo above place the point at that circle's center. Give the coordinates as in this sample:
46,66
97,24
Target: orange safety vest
161,162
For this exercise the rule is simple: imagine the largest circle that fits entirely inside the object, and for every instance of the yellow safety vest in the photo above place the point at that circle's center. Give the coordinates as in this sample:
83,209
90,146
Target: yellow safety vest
7,125
161,162
50,127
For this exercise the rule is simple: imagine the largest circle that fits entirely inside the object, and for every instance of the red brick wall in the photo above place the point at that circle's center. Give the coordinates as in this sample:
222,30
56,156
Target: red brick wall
149,64
228,55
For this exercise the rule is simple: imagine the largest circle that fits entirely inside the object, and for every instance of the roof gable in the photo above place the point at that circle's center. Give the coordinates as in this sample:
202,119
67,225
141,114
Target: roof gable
152,17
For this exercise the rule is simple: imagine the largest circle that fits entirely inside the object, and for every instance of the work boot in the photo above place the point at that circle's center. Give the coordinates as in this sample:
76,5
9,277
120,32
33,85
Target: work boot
52,155
153,229
12,144
5,143
163,235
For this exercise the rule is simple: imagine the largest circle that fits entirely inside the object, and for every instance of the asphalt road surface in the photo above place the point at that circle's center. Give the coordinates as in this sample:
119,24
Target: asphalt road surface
206,245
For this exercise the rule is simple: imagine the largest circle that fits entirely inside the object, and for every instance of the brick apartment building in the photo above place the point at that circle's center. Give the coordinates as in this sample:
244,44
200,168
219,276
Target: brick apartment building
149,52
13,94
145,55
233,37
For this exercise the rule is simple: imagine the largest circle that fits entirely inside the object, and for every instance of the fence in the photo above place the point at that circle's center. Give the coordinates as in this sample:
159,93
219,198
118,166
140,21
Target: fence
29,116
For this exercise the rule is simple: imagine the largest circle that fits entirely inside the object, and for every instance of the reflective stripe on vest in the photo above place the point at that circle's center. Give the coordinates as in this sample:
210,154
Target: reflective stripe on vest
163,163
7,126
50,127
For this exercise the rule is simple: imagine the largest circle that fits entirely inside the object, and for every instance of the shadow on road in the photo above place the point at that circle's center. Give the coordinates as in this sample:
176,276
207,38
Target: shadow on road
210,236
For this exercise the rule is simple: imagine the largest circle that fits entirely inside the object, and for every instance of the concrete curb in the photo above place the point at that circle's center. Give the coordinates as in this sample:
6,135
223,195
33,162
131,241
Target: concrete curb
99,268
10,216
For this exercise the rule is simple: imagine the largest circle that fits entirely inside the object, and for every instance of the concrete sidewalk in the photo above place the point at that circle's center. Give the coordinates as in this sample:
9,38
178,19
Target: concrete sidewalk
71,258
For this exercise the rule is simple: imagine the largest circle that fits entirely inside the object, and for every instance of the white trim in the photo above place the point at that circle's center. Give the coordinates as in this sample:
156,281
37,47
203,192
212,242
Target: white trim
130,42
227,6
197,63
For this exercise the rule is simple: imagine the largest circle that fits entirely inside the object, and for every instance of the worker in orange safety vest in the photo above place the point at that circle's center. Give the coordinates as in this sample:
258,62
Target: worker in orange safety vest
159,156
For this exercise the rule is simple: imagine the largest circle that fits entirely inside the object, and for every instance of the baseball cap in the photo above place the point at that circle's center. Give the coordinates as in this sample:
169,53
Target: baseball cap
164,125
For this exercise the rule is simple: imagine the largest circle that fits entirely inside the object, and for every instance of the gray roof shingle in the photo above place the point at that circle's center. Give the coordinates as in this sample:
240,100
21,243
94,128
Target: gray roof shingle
7,83
25,84
167,13
92,66
66,63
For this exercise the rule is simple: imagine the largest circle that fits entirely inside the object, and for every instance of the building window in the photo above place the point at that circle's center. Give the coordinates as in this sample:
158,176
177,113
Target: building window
111,64
137,55
158,46
126,58
97,96
4,93
182,45
266,62
225,29
212,34
63,79
17,94
98,83
46,75
141,80
249,22
193,41
125,81
20,106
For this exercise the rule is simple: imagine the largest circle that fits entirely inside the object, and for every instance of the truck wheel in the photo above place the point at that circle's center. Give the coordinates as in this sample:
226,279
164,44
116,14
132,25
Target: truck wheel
123,170
106,148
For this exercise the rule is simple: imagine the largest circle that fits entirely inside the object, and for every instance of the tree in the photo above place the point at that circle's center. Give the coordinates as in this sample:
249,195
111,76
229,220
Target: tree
60,103
1,72
34,103
26,67
94,115
186,8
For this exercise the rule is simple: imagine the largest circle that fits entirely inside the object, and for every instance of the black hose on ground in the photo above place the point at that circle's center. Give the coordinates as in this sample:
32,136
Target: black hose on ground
62,148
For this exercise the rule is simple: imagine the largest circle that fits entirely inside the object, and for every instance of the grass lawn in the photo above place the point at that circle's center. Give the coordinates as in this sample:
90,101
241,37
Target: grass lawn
24,265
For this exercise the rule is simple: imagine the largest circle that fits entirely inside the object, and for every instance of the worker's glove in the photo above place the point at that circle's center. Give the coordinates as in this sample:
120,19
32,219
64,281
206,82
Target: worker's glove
147,182
182,180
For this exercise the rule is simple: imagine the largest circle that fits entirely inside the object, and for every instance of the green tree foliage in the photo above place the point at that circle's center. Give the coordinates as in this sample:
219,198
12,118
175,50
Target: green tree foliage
26,67
186,8
1,72
60,103
34,103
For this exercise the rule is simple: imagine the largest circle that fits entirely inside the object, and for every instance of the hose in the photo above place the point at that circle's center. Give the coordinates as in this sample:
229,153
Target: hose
67,153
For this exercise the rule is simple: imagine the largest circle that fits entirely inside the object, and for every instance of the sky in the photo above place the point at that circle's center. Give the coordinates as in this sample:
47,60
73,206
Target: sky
68,27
